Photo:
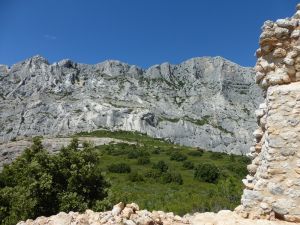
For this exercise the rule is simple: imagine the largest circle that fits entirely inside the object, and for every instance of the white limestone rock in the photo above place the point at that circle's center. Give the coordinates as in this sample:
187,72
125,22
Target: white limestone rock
280,32
164,101
117,209
295,34
289,61
279,53
286,23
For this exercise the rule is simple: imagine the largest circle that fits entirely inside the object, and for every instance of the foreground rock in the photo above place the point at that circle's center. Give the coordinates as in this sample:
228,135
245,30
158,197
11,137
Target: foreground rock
131,215
202,102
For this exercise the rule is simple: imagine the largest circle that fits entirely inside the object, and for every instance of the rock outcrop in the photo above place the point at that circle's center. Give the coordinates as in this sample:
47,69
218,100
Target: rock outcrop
273,183
131,215
204,102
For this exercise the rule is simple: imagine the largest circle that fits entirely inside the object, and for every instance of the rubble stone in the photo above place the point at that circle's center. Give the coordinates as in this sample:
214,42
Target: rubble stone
276,166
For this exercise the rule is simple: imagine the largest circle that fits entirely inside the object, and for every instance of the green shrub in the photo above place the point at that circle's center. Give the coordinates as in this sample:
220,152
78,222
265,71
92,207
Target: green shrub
161,166
143,160
71,200
152,174
134,154
125,146
238,169
231,189
177,156
226,194
135,177
115,151
156,151
166,178
172,178
38,183
177,178
246,160
197,153
217,155
232,158
120,149
207,172
119,168
188,165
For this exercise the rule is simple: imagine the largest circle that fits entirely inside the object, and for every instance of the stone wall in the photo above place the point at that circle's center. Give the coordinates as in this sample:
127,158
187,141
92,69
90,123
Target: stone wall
273,184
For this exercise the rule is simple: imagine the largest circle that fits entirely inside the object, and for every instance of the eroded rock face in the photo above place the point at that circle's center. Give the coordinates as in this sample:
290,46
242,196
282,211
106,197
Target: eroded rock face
273,183
203,102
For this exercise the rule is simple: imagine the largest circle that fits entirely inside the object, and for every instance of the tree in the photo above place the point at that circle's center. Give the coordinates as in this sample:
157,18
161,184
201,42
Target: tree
217,155
143,160
199,152
38,183
207,172
135,177
177,156
188,165
161,166
119,168
172,177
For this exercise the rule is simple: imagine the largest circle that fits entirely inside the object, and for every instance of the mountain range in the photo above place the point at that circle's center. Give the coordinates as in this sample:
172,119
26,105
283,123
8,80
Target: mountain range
206,102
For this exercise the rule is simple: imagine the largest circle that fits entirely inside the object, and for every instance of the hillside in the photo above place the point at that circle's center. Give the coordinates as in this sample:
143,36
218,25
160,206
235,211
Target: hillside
145,185
154,173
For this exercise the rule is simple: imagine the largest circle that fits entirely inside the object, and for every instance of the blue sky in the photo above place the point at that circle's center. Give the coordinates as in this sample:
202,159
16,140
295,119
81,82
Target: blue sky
141,32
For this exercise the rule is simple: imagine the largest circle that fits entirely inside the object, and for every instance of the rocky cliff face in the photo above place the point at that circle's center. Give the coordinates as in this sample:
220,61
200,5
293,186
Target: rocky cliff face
205,102
273,183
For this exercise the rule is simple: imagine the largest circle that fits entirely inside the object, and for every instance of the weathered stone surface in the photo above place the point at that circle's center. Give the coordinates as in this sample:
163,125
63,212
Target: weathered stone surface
287,23
144,217
275,167
279,53
127,212
204,102
133,206
295,34
117,209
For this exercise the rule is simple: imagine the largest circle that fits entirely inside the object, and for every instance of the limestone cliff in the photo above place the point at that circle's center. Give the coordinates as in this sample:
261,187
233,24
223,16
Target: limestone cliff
204,102
273,183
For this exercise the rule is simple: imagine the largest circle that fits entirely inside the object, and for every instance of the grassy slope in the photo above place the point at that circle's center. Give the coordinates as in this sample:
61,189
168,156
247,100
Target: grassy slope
152,194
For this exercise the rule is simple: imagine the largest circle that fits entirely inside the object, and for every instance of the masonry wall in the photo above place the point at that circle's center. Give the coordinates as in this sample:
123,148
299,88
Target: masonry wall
272,187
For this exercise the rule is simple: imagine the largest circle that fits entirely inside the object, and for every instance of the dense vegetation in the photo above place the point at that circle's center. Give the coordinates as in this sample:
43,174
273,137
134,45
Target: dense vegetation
207,172
38,183
151,172
164,176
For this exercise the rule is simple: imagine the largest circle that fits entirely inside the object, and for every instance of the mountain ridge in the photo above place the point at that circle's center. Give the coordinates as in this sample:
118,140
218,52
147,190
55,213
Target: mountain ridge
42,58
206,102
